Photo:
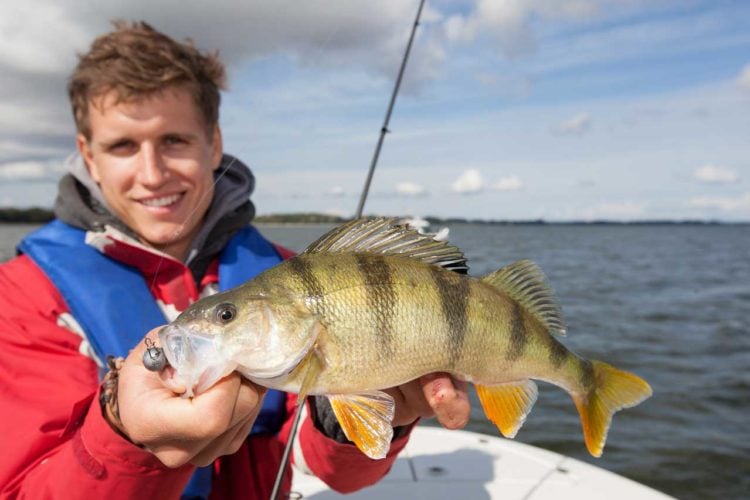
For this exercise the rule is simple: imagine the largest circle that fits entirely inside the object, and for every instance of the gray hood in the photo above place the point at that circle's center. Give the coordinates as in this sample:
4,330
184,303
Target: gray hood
80,203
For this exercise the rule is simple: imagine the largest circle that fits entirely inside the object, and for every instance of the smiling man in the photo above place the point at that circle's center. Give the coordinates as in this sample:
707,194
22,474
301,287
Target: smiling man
149,157
152,217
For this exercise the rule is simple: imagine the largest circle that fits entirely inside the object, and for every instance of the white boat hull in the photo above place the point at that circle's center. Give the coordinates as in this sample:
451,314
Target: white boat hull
442,464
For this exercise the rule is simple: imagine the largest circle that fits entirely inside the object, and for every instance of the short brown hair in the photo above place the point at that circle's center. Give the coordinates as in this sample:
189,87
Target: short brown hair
135,60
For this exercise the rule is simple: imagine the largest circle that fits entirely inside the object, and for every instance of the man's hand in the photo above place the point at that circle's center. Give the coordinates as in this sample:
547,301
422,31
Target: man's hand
181,430
434,395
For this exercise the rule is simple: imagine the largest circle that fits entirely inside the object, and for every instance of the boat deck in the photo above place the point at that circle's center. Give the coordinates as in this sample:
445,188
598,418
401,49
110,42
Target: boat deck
442,464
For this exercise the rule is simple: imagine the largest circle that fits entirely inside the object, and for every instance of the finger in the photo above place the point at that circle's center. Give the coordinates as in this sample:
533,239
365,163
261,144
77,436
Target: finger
247,406
449,401
226,444
171,455
193,420
249,400
212,412
192,430
410,404
203,452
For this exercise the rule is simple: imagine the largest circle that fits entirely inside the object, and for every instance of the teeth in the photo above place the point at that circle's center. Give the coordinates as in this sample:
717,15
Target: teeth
161,202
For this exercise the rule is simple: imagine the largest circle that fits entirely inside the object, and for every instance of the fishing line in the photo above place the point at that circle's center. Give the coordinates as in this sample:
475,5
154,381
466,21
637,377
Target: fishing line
182,226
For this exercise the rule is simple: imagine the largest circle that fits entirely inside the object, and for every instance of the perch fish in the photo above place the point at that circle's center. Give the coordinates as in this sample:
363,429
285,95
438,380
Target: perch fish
373,305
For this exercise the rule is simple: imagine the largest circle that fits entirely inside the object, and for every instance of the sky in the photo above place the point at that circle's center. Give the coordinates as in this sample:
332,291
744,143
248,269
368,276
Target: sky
510,109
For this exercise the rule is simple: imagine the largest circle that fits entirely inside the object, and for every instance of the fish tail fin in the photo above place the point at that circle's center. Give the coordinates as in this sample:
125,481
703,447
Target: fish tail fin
507,405
611,391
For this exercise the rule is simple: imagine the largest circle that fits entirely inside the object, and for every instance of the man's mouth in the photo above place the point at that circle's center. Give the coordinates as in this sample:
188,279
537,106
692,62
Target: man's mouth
162,201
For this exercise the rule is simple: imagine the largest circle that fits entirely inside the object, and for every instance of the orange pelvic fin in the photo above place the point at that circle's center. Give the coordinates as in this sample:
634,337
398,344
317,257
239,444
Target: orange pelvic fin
366,420
507,405
613,390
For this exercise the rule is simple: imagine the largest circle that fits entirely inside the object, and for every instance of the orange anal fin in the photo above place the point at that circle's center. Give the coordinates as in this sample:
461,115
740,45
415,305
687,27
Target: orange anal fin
366,420
507,405
613,390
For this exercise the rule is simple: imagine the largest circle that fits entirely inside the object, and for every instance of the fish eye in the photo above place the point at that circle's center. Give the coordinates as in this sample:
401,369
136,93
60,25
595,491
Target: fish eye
225,313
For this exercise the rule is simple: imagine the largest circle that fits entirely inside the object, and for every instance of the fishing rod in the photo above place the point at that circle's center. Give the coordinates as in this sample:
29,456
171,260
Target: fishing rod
384,129
360,206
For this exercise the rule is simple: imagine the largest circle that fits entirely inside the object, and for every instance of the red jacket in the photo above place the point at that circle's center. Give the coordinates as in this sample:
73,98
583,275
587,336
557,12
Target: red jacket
56,444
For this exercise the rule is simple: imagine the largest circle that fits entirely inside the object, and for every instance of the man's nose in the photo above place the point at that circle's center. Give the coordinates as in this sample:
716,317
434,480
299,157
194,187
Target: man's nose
153,170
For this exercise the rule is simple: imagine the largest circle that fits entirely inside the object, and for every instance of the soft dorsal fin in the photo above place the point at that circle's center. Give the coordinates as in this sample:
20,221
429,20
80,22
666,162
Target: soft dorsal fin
526,283
386,236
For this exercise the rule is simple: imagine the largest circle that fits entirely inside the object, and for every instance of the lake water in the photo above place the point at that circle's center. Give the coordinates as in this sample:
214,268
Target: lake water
670,303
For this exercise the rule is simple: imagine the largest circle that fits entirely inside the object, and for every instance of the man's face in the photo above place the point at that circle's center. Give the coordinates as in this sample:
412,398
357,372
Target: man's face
154,160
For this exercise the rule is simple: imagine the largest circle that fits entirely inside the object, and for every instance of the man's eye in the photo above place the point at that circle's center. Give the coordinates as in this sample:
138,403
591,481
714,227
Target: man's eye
173,140
120,146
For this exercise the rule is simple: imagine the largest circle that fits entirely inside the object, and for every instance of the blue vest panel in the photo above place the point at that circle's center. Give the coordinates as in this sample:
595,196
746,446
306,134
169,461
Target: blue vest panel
117,308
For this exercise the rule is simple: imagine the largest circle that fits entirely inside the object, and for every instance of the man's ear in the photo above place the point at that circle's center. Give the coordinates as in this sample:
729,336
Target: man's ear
218,147
88,158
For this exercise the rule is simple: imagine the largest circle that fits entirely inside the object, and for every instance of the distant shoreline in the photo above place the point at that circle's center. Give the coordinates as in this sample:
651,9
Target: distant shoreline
38,215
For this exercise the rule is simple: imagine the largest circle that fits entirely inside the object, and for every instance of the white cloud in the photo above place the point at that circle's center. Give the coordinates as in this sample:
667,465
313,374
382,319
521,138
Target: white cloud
739,203
511,183
42,35
410,189
509,23
336,191
575,125
39,40
38,37
714,174
743,80
30,170
470,182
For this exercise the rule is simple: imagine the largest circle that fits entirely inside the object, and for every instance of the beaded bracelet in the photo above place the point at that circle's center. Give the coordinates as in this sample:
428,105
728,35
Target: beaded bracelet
108,394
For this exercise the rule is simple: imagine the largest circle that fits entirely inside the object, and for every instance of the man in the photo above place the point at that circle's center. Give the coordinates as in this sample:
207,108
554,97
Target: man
153,216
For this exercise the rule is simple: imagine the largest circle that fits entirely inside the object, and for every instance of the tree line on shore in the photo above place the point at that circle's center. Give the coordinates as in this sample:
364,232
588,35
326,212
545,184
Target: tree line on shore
37,215
33,215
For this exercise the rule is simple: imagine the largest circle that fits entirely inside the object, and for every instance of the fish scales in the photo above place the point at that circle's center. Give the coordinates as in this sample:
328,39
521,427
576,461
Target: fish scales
437,321
372,305
358,302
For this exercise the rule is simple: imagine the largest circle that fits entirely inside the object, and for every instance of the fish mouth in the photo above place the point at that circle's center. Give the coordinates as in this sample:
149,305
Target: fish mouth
196,363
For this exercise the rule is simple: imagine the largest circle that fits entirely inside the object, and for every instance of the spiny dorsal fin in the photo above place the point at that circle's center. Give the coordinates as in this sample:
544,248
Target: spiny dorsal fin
526,283
383,235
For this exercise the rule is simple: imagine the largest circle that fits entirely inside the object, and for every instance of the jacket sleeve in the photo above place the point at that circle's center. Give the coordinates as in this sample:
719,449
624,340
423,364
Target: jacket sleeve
56,444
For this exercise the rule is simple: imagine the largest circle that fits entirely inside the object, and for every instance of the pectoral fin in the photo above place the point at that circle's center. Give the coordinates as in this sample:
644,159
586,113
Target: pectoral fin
312,365
507,405
366,420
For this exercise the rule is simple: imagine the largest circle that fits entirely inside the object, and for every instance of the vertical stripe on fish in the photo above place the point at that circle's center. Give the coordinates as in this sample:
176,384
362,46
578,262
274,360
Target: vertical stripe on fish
303,272
381,299
454,291
518,334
